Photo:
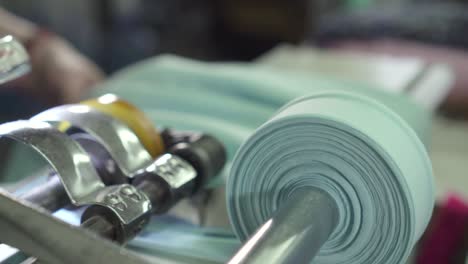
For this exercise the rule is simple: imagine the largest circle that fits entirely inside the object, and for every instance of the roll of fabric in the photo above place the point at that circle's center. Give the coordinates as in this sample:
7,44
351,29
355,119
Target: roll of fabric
360,152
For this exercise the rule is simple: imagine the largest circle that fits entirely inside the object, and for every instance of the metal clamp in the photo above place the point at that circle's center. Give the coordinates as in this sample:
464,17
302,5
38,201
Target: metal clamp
125,205
174,170
66,157
117,138
167,181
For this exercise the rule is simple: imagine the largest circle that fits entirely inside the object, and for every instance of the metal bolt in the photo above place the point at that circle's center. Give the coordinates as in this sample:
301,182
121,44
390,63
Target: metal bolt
163,169
127,191
112,198
174,163
130,193
116,201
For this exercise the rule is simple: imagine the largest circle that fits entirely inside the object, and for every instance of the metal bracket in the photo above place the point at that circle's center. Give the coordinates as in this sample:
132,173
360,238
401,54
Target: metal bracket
128,206
118,139
66,157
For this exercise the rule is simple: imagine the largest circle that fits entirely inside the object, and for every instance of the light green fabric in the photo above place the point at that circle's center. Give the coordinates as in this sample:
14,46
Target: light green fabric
363,155
230,100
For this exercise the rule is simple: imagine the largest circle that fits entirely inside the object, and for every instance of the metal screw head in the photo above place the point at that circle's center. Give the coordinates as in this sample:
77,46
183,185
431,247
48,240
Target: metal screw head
127,190
130,192
112,198
116,201
163,169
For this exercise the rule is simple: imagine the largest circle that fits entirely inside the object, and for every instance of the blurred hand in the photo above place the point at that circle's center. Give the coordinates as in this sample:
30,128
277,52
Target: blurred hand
60,74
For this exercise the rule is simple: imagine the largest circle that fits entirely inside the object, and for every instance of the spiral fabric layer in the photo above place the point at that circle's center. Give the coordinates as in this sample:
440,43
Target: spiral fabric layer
360,152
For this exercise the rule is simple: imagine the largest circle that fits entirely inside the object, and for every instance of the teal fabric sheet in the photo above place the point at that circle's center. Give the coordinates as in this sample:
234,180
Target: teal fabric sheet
231,100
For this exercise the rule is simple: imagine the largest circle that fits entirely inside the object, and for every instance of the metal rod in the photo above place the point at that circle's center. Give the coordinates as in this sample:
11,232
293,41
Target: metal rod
50,195
159,195
100,226
295,233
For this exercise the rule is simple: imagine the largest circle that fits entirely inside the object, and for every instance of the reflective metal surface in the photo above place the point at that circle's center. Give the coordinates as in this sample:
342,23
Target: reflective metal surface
14,60
126,208
127,202
174,170
66,157
167,181
50,195
129,207
296,232
119,140
52,241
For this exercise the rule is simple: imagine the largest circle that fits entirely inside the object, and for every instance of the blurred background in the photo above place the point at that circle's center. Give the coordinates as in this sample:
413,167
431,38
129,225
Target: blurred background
418,47
116,33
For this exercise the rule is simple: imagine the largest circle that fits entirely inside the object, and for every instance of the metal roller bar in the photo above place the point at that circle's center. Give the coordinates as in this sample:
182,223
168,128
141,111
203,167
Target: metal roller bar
52,240
295,233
